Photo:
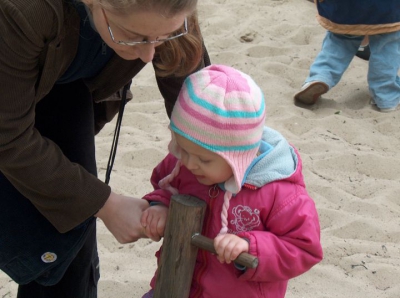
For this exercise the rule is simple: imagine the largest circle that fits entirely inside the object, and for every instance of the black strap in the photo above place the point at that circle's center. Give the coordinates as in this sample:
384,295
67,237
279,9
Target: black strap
114,145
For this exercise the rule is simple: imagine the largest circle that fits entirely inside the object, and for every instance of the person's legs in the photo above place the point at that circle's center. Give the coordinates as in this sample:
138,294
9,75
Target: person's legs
334,58
384,64
329,65
65,116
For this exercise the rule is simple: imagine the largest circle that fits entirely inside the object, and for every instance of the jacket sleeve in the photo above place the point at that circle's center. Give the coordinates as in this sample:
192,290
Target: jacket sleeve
291,245
164,168
64,192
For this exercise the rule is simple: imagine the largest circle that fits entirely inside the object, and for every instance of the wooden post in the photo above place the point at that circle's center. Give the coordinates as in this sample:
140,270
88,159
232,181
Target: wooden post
180,245
178,257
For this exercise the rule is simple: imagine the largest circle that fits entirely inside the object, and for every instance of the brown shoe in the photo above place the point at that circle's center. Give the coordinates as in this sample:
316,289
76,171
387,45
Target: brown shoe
311,92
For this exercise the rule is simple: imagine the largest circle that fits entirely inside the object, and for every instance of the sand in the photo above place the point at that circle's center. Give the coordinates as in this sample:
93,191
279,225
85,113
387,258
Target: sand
350,153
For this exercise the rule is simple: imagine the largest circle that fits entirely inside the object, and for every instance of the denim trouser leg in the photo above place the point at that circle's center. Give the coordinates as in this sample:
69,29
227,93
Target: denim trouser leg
334,58
384,64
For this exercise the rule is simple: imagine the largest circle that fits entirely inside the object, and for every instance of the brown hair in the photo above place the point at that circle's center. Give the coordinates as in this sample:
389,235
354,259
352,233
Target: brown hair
177,57
166,7
182,55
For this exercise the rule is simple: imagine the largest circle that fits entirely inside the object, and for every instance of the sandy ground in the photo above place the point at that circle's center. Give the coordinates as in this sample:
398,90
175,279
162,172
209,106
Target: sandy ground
349,150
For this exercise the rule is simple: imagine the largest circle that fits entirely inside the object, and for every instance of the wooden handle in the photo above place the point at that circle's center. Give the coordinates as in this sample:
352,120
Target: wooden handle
205,243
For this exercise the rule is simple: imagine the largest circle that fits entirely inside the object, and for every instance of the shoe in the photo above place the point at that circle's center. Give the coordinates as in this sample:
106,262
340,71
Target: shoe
383,110
387,110
363,52
311,92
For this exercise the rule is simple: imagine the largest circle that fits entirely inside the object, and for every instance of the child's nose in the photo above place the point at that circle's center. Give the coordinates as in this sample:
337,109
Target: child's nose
191,163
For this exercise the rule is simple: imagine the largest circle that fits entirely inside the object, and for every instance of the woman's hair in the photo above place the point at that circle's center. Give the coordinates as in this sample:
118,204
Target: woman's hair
177,57
180,56
167,7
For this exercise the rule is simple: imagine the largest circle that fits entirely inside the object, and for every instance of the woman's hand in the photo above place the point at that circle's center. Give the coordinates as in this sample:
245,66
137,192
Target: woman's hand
229,247
121,215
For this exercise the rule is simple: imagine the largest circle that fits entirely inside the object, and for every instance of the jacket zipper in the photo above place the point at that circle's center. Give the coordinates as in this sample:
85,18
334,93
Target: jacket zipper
202,270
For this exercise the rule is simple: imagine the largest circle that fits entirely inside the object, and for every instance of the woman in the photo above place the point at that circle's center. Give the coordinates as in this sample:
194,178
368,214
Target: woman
63,66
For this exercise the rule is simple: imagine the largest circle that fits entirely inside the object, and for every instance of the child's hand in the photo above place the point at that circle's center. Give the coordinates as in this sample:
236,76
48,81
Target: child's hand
229,247
153,221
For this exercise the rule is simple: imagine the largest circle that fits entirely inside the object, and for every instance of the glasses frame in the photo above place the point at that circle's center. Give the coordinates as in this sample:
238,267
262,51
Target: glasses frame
135,43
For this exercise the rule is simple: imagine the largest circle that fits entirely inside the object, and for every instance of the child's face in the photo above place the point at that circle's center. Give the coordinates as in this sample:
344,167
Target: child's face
208,167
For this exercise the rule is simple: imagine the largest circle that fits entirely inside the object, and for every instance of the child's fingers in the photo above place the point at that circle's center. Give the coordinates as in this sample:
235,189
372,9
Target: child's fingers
159,221
153,236
143,218
218,242
146,222
235,251
153,227
153,221
229,247
220,245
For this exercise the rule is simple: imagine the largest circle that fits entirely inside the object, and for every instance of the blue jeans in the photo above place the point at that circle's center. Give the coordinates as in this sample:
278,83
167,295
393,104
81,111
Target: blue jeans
384,63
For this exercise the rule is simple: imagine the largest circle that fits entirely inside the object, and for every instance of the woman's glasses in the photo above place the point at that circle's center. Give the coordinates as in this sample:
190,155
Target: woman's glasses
139,42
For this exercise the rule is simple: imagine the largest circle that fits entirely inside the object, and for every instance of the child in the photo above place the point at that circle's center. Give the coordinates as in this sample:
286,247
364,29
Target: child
251,180
347,22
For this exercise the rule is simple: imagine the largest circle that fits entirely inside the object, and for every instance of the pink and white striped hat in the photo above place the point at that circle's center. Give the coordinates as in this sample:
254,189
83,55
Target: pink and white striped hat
222,110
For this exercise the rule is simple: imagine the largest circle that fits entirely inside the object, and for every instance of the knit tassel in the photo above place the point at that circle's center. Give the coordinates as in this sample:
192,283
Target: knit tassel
224,213
165,183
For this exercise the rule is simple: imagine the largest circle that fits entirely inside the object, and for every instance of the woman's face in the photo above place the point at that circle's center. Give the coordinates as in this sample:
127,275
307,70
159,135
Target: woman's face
136,26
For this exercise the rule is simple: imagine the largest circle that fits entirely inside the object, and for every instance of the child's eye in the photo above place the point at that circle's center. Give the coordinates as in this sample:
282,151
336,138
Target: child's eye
204,161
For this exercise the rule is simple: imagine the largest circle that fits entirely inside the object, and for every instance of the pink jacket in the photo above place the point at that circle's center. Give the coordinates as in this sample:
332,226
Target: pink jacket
279,219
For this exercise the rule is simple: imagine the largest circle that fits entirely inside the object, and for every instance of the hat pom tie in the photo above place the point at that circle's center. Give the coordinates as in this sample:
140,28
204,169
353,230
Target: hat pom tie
224,213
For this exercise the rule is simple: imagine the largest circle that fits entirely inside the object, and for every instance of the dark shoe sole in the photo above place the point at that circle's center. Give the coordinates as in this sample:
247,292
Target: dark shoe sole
364,53
311,93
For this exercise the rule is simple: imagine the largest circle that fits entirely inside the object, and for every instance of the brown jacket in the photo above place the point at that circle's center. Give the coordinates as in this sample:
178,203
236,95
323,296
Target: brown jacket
38,41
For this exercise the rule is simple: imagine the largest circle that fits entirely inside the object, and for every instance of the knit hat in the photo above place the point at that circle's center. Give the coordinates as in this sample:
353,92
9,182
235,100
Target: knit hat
222,110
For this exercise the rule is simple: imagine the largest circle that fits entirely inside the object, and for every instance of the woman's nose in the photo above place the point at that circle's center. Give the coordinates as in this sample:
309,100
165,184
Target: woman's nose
146,52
